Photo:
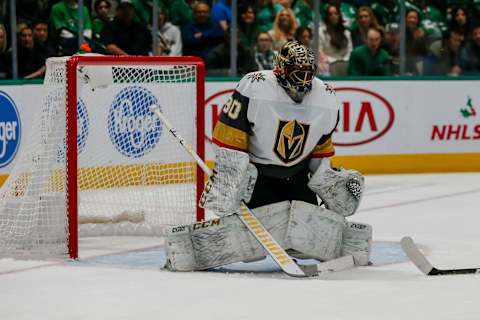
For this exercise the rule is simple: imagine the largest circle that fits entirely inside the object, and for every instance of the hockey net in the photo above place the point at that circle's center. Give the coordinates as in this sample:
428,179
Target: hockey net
99,161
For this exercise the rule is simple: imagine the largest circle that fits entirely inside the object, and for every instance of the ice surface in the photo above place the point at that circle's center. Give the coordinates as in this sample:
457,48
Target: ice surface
119,277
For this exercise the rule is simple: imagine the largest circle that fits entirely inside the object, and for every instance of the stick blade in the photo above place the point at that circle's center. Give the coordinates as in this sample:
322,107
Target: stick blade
335,265
309,270
414,254
298,271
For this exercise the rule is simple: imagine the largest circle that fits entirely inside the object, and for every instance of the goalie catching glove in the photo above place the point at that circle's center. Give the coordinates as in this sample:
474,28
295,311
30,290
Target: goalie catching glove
340,189
232,181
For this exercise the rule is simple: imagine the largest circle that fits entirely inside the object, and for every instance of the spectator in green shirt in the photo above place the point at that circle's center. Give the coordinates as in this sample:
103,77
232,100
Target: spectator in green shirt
370,59
432,20
144,9
266,13
180,12
64,24
303,10
388,11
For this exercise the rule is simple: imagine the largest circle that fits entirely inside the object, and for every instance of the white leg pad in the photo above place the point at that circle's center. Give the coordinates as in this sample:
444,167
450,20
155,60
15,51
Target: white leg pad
315,231
222,241
357,241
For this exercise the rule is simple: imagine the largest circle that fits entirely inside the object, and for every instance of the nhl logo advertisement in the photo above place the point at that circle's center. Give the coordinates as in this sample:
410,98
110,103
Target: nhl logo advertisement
394,126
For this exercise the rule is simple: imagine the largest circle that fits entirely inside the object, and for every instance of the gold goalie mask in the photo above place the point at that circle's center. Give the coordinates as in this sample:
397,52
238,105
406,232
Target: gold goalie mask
295,69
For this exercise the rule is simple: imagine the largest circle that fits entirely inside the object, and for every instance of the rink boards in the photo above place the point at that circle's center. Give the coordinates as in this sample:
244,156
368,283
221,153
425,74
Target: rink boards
390,126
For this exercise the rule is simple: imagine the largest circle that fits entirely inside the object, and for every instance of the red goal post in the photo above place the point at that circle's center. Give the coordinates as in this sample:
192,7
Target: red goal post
165,184
71,138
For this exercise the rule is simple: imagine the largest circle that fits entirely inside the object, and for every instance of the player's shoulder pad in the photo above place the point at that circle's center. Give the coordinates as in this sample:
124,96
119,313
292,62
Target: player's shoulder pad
257,82
324,94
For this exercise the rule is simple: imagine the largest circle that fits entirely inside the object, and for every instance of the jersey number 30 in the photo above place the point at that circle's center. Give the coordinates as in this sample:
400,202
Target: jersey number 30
232,108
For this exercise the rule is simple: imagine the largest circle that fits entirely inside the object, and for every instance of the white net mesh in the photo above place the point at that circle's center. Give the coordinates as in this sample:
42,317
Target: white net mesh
133,177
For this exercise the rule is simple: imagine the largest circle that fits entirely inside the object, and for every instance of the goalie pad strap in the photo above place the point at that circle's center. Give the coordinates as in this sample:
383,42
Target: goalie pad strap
314,231
357,241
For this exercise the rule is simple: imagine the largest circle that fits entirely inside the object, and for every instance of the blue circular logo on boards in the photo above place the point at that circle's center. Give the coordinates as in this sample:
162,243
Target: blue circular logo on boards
10,129
133,129
83,128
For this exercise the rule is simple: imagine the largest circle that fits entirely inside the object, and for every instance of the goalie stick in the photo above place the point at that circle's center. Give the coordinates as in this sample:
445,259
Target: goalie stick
419,260
278,254
246,216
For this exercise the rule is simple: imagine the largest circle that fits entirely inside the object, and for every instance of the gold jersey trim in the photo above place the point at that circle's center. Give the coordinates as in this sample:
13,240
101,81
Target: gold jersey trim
325,149
227,136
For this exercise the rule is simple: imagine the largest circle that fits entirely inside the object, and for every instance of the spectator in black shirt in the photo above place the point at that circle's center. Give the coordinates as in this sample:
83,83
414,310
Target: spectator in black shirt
470,53
443,57
40,37
31,63
32,10
218,59
416,42
460,21
5,62
304,35
125,36
101,17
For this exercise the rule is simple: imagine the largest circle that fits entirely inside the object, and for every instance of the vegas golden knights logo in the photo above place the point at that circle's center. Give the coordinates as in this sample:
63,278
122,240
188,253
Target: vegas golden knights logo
290,140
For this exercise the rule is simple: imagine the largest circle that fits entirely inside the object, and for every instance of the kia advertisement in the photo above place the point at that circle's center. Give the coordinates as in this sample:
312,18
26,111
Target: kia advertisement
366,116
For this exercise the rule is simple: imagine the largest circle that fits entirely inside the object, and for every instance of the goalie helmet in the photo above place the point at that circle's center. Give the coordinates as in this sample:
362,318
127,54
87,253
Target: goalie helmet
295,69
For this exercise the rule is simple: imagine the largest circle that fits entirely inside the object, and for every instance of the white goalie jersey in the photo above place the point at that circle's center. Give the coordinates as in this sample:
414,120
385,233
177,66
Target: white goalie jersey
280,136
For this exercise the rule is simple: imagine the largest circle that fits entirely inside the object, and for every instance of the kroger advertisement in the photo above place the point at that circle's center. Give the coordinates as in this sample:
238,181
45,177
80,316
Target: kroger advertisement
393,118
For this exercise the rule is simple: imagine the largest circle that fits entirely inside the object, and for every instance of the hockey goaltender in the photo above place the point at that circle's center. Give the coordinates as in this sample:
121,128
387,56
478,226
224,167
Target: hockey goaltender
273,144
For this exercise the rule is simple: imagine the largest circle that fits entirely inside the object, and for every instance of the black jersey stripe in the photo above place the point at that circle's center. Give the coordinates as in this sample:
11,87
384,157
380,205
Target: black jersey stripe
234,113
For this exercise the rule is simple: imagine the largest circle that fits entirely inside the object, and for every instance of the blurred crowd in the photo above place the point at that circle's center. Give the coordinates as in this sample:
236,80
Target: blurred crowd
355,37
